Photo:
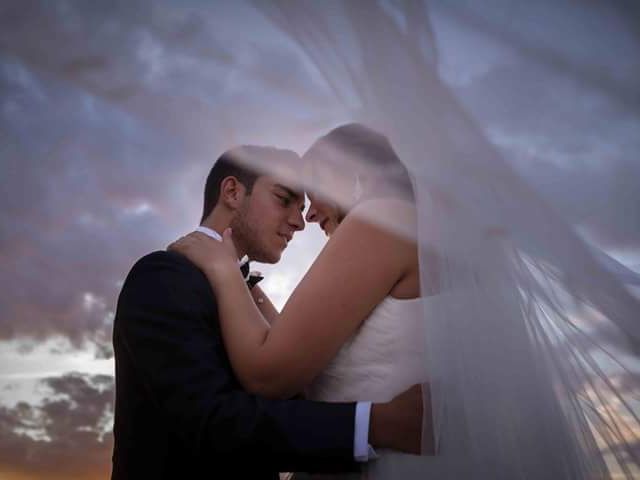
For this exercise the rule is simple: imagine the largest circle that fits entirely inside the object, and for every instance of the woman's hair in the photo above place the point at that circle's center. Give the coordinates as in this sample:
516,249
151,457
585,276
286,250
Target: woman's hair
371,152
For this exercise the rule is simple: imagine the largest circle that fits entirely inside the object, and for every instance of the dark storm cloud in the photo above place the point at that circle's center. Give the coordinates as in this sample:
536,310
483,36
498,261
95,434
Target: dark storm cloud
67,433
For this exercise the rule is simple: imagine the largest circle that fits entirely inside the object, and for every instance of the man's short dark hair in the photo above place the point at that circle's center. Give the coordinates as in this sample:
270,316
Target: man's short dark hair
246,163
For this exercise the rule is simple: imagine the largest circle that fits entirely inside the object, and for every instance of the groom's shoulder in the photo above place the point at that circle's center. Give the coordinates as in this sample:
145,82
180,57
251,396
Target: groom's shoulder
161,264
162,275
160,258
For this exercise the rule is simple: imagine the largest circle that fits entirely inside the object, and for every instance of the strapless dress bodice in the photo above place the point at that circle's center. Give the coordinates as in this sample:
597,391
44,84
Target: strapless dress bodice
383,357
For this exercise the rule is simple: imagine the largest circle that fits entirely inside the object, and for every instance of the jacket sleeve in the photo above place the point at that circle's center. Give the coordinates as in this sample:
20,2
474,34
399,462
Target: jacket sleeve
166,323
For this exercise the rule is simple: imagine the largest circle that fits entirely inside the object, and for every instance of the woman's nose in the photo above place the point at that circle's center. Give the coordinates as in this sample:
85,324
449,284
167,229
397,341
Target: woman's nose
312,214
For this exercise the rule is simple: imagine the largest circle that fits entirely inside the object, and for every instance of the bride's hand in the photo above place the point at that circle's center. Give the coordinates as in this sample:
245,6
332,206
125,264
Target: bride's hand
211,256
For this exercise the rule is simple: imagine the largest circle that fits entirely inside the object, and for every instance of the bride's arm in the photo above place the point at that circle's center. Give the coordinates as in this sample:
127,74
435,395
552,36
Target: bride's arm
357,268
262,301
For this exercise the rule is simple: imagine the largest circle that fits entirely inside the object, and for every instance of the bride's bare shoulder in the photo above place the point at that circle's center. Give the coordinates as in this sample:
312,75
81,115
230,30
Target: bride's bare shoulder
392,214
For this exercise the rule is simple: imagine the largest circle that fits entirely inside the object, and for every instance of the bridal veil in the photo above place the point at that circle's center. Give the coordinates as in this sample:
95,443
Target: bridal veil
532,342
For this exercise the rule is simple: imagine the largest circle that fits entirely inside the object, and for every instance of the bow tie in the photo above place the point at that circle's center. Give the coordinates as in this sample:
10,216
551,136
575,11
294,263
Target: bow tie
252,278
245,269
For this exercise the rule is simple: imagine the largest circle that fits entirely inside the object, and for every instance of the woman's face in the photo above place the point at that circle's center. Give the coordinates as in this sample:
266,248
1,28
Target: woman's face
330,194
323,212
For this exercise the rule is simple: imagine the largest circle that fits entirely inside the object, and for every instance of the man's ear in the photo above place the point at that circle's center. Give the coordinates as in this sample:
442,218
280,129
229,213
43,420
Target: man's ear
232,192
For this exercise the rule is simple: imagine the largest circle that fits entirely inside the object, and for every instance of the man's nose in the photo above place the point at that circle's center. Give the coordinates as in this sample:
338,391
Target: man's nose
296,220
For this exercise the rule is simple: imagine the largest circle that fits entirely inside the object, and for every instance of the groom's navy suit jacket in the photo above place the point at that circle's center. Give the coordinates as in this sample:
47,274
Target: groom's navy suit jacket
181,413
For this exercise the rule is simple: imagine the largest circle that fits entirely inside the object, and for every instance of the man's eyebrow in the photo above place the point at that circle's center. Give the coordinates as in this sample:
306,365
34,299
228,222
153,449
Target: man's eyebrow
290,192
293,194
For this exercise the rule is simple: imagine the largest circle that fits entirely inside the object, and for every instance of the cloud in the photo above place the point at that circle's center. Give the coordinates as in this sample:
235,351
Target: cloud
86,191
571,40
595,184
111,115
110,120
67,433
566,115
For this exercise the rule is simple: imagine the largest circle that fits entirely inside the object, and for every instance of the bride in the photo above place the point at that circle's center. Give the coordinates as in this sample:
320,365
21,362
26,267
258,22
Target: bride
352,329
530,345
364,323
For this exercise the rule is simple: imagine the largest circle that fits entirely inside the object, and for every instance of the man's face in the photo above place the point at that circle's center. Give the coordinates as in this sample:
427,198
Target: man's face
267,219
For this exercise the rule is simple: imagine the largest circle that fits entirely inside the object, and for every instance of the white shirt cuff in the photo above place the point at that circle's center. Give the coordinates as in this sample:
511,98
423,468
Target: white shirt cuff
362,451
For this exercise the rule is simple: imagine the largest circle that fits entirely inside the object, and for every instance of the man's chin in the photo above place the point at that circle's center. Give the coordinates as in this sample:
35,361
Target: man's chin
275,258
271,257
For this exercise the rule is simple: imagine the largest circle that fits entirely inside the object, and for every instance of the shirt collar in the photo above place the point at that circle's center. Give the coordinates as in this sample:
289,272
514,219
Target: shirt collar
209,232
216,236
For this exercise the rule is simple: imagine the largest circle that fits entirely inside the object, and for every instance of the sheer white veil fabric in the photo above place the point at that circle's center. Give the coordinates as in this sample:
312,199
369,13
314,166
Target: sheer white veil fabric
528,329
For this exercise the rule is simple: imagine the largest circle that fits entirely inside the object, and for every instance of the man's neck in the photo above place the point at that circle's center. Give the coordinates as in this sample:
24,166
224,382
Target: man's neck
219,225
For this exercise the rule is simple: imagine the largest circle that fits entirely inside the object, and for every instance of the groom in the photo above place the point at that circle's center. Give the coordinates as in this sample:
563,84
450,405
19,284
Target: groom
180,412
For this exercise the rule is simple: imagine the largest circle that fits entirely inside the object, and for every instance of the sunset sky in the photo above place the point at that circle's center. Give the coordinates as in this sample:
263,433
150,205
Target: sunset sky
112,113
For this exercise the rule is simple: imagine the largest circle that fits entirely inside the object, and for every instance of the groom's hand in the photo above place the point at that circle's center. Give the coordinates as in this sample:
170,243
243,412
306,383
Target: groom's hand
398,424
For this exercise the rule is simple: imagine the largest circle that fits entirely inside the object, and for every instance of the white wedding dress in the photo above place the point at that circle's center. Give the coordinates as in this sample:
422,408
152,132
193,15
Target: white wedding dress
384,357
532,346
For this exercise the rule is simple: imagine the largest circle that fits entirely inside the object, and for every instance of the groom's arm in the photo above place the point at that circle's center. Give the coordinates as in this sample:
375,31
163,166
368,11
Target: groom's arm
163,325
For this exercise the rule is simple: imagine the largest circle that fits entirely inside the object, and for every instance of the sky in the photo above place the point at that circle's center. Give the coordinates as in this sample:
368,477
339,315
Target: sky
112,113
